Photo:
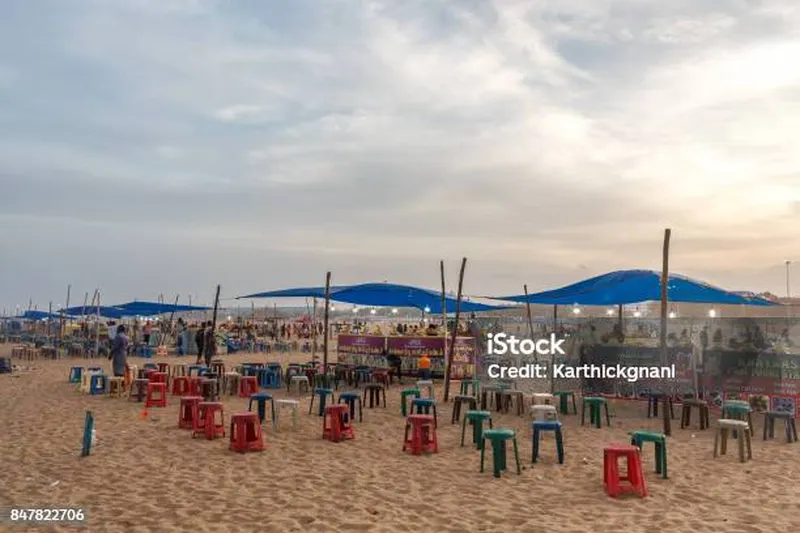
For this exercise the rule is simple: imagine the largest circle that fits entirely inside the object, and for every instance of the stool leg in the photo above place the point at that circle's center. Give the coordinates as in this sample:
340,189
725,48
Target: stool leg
583,413
608,416
723,446
749,448
456,412
766,427
742,438
535,448
574,404
716,442
483,454
560,446
516,456
463,429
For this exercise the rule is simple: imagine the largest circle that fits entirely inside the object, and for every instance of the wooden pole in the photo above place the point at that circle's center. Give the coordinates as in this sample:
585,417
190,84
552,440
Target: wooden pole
314,332
663,336
49,320
325,322
214,324
61,322
444,310
97,327
530,320
451,352
171,317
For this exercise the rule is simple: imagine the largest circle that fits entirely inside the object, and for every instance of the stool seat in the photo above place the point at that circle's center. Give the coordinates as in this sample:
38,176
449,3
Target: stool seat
542,398
686,412
472,404
544,412
550,425
732,424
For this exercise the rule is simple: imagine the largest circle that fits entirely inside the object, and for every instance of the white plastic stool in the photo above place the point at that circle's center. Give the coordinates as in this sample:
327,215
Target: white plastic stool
230,383
544,413
428,384
300,380
294,405
542,398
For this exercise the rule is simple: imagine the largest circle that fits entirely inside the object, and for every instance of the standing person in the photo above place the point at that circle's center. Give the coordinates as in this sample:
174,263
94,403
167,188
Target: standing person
148,329
395,363
200,340
210,348
119,353
424,366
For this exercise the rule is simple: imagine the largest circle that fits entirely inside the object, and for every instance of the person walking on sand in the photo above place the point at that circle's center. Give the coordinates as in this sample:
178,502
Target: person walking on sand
119,353
200,340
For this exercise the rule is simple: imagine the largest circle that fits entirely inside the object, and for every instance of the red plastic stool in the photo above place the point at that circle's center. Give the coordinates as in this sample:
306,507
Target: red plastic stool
148,373
163,368
180,386
247,386
206,420
188,411
336,425
158,377
246,433
423,434
634,475
156,395
382,376
196,385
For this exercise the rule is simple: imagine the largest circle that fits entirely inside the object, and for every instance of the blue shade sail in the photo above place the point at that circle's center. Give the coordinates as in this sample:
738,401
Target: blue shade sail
636,286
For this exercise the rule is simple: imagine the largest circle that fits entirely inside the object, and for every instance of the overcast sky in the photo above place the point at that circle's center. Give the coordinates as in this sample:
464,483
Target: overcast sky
164,146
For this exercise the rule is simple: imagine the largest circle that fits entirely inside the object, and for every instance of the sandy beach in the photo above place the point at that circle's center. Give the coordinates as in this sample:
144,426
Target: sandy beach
146,475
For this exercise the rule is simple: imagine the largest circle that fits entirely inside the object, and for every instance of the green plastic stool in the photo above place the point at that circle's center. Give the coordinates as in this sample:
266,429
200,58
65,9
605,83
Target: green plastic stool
638,438
563,402
595,406
476,418
405,393
498,437
467,383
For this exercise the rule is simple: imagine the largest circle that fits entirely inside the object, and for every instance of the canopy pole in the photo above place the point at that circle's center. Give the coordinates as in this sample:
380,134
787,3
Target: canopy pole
213,342
444,311
663,336
451,352
325,323
163,339
530,320
97,328
61,322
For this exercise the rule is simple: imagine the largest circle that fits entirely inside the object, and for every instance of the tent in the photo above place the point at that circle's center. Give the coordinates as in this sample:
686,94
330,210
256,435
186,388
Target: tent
636,286
91,310
381,295
155,308
38,315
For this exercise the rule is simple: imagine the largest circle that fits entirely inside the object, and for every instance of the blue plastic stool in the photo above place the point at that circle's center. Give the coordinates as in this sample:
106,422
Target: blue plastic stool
94,369
423,406
363,375
323,396
353,399
97,385
549,425
261,399
272,378
75,374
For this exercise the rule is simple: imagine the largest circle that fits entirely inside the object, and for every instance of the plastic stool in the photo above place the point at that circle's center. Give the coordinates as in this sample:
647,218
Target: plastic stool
427,384
178,370
116,387
353,401
476,418
158,377
138,390
301,382
195,385
209,389
294,405
180,386
491,397
467,384
634,476
405,393
740,430
789,425
373,392
97,384
686,413
86,380
515,398
247,386
542,398
472,405
206,420
163,368
323,397
188,412
563,402
498,438
538,427
246,435
336,424
156,395
595,406
423,406
653,400
544,413
75,374
638,438
230,382
261,399
423,436
738,411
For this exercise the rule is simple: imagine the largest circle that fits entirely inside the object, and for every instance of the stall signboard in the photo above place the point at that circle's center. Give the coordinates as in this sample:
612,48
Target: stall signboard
361,350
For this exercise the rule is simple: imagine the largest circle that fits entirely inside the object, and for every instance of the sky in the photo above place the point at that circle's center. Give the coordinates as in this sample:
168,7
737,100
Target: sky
163,146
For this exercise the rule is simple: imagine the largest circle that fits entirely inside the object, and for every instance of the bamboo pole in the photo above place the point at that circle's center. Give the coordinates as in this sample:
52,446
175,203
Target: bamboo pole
444,312
61,320
663,336
451,352
49,320
163,339
214,325
97,327
325,322
530,321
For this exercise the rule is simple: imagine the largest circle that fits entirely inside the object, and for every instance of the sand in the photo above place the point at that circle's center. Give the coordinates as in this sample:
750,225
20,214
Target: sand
148,475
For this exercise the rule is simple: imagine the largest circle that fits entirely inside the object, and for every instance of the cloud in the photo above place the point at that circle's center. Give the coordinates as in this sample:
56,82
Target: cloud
545,141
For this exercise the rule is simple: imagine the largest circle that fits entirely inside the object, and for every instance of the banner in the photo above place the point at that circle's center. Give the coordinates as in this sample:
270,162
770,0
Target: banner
368,350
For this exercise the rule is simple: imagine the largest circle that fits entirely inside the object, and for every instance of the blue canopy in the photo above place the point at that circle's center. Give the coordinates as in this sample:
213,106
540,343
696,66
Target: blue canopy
636,286
381,295
155,308
90,310
38,315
